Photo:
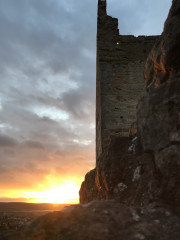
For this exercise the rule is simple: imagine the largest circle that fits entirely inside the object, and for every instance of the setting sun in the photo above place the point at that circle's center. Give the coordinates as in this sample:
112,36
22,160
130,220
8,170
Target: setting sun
66,192
52,190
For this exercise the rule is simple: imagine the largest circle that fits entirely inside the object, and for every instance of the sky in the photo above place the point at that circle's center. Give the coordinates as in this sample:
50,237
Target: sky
47,90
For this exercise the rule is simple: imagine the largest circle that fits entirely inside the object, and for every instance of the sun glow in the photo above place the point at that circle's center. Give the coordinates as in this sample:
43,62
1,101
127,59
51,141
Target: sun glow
66,192
52,190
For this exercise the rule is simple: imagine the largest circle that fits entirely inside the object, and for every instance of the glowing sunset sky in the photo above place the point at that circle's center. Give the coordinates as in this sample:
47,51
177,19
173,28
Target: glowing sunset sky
47,97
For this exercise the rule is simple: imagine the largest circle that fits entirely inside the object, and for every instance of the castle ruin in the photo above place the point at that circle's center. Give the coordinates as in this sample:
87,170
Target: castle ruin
119,81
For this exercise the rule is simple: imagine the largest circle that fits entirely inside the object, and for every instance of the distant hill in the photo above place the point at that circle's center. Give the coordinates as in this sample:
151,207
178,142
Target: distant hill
21,206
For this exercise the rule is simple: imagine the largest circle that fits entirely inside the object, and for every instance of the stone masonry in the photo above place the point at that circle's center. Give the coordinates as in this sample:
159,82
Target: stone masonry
120,82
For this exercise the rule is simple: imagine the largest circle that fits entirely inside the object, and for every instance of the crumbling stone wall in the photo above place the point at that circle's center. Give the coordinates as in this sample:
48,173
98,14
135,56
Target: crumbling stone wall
120,82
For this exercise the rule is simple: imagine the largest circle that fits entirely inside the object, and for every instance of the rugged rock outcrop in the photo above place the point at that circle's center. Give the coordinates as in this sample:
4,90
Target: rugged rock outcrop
122,174
158,113
148,167
163,63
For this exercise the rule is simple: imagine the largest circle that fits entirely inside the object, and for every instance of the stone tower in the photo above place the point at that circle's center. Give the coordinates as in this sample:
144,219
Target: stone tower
119,80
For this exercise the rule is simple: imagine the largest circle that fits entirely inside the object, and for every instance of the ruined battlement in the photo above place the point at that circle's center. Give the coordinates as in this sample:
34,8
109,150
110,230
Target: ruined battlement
120,83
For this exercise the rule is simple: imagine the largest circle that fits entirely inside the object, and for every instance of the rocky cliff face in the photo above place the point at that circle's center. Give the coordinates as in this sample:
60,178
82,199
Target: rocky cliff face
146,168
158,114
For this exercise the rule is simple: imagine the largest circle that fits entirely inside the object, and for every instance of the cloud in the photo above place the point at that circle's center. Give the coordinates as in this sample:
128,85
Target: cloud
6,141
33,144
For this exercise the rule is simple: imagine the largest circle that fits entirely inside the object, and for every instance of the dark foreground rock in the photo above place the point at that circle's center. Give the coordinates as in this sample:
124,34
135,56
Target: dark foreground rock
104,220
124,175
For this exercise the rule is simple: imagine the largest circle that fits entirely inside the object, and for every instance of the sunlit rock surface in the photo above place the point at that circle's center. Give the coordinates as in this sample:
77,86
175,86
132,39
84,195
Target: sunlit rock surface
163,64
